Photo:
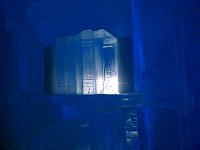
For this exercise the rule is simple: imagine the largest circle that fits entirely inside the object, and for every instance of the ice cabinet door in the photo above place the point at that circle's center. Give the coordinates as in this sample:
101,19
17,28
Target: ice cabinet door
99,64
89,71
110,66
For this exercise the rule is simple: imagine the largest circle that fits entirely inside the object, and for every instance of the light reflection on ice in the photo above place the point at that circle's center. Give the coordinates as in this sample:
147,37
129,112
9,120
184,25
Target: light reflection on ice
86,63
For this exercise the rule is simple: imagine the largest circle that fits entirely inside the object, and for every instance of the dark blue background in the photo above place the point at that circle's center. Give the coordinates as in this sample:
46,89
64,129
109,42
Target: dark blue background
27,26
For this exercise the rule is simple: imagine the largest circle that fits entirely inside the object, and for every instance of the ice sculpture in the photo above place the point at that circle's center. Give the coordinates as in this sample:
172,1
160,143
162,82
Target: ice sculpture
86,63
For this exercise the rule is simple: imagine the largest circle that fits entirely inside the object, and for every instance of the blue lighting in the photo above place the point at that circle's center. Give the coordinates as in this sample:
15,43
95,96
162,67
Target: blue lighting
149,105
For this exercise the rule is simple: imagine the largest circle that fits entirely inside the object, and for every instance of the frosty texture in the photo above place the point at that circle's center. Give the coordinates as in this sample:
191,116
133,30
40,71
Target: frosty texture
86,63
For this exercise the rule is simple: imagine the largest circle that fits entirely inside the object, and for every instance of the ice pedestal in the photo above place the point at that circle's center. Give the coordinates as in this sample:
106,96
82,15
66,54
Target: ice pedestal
86,63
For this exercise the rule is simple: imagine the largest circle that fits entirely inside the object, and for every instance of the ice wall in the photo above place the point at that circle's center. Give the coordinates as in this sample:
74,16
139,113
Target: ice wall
86,63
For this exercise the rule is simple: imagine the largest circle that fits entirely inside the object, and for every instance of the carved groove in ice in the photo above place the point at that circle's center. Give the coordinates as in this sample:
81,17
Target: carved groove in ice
87,63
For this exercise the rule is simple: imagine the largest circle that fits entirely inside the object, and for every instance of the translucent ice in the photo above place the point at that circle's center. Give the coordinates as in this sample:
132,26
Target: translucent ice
86,63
